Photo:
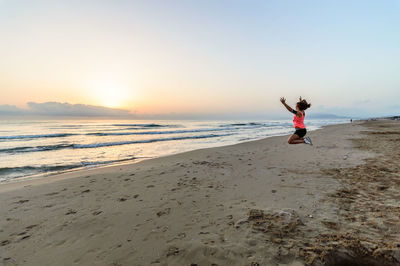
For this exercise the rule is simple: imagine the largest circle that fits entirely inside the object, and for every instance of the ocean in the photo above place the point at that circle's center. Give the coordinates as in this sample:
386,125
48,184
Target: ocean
29,148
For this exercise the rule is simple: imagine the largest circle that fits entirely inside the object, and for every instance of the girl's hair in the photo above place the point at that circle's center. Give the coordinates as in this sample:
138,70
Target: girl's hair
303,104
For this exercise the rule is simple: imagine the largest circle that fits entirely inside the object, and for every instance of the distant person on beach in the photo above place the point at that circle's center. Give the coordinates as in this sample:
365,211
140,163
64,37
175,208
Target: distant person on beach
298,120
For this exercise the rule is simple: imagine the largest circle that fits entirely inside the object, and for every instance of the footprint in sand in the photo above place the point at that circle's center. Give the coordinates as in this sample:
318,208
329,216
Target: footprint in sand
70,212
5,242
164,212
31,226
25,237
122,199
51,194
21,201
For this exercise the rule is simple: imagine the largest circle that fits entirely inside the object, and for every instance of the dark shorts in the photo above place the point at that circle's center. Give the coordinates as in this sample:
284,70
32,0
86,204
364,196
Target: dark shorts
301,132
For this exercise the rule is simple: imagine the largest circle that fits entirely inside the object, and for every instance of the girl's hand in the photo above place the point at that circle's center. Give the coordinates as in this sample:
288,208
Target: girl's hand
283,100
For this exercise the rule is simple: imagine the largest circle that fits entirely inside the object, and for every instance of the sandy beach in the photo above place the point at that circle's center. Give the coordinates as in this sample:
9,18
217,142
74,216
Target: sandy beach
262,202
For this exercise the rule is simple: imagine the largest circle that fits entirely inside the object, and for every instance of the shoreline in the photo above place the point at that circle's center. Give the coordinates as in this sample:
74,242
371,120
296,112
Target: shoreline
258,202
82,169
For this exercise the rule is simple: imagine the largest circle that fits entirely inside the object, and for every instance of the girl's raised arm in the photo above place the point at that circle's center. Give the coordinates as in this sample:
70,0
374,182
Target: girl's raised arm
290,109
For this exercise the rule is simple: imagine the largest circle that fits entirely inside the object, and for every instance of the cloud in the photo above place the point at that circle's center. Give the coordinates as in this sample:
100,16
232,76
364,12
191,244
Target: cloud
10,110
64,109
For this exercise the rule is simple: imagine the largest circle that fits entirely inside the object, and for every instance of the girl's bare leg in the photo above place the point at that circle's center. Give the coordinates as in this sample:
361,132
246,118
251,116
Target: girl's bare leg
294,139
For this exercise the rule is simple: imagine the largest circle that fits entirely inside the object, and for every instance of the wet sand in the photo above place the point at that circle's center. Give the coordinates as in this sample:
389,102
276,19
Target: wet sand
257,203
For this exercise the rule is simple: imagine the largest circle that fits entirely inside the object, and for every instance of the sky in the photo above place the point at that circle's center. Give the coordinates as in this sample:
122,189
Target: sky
200,58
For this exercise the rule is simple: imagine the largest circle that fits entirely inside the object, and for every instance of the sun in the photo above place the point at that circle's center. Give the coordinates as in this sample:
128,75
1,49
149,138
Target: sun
110,95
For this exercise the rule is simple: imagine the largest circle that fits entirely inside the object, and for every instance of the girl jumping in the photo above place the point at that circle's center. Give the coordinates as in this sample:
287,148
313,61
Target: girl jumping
298,121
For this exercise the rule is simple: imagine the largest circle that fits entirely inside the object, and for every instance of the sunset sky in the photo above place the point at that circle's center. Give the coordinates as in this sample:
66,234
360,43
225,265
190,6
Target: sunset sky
202,57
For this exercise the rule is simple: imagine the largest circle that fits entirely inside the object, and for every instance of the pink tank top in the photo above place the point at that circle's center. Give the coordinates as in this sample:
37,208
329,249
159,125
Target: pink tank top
299,121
